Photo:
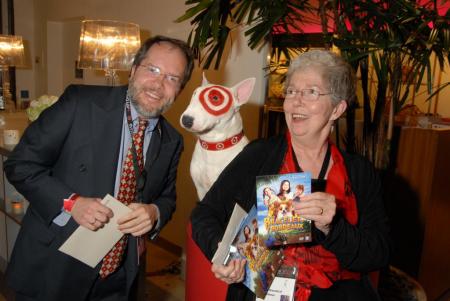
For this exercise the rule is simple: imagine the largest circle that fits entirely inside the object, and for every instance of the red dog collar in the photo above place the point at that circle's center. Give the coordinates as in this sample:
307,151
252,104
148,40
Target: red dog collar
217,146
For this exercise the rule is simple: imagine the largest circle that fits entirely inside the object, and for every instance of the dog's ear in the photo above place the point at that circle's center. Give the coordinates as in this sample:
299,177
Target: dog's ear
204,81
243,90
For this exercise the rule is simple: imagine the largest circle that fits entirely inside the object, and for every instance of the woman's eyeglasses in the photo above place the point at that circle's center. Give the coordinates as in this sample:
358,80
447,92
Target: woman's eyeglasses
306,94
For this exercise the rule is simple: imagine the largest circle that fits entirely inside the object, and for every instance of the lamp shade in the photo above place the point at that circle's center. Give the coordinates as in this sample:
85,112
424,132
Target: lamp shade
108,44
11,51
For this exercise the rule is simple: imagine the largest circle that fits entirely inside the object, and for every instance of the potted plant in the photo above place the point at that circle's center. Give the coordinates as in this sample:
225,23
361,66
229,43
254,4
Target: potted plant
392,37
389,35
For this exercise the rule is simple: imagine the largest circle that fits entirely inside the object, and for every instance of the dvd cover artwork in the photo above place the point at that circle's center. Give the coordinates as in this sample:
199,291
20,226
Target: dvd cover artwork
276,195
262,263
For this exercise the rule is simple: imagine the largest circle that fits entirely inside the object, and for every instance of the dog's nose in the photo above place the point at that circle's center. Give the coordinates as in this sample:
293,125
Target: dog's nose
187,121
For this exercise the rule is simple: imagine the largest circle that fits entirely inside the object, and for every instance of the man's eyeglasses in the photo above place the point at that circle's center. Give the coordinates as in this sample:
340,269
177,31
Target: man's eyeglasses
306,94
155,72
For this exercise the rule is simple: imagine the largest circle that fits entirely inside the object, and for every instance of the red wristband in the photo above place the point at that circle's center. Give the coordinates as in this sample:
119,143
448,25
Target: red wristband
69,202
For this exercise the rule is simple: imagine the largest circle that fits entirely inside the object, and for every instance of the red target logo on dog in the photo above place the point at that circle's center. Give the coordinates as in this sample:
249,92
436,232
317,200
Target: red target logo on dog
216,100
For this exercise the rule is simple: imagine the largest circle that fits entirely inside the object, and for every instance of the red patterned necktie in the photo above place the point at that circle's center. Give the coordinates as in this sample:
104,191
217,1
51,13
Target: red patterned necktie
126,195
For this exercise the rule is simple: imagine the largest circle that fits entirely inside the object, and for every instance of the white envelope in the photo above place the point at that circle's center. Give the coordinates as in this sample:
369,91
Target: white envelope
91,246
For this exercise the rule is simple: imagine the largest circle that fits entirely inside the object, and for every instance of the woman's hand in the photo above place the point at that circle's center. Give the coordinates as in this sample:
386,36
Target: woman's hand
233,272
319,207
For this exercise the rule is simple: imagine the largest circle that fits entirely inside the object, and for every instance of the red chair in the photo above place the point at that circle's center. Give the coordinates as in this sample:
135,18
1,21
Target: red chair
374,278
201,284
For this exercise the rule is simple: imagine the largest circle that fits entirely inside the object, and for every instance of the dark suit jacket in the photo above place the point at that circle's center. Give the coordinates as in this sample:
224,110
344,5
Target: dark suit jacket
74,147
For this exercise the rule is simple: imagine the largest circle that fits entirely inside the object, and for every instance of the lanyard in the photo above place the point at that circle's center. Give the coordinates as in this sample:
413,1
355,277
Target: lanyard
323,170
140,175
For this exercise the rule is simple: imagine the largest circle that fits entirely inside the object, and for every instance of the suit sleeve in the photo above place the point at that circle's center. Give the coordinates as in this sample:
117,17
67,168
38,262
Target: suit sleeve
29,167
365,246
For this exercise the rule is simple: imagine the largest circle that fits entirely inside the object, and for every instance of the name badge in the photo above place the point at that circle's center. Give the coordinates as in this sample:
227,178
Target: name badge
283,285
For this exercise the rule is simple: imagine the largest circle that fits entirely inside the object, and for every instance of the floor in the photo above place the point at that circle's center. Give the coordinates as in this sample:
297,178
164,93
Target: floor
164,279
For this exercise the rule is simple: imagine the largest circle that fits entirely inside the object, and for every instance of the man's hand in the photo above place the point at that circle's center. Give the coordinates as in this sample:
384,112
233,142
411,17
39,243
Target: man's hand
90,213
233,272
140,221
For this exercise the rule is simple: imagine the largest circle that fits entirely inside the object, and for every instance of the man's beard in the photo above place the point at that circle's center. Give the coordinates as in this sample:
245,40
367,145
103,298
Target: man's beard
156,112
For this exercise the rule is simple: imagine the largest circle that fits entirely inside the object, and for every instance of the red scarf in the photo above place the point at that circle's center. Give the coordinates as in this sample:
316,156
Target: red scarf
317,266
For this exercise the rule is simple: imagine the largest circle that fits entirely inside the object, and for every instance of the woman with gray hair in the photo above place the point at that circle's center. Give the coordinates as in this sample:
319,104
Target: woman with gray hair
350,226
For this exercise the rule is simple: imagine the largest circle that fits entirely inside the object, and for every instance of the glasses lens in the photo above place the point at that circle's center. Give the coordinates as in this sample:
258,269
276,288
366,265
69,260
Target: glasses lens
175,80
154,70
310,95
289,93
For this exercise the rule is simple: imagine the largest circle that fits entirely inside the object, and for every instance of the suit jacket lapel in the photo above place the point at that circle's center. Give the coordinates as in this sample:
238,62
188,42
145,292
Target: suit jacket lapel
160,153
154,146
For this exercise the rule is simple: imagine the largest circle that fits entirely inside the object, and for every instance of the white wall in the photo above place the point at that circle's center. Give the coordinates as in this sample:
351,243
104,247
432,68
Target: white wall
25,76
40,46
55,58
441,102
154,17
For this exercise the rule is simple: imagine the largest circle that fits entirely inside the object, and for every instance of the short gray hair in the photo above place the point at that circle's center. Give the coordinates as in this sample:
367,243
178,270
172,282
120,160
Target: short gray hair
336,73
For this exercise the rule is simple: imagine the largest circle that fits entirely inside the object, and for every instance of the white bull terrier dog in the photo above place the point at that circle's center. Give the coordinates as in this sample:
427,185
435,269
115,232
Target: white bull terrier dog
213,115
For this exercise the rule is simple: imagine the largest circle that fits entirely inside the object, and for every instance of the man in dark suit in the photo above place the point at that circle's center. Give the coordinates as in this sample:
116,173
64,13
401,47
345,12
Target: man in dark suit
72,156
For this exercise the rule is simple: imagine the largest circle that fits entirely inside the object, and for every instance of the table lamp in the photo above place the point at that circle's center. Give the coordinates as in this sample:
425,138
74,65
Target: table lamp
108,45
11,55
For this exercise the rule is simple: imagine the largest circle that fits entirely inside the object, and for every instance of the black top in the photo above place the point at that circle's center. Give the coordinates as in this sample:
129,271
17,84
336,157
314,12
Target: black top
361,248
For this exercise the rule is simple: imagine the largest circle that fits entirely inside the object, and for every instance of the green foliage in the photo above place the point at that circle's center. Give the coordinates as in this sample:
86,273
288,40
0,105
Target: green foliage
395,37
213,20
392,36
